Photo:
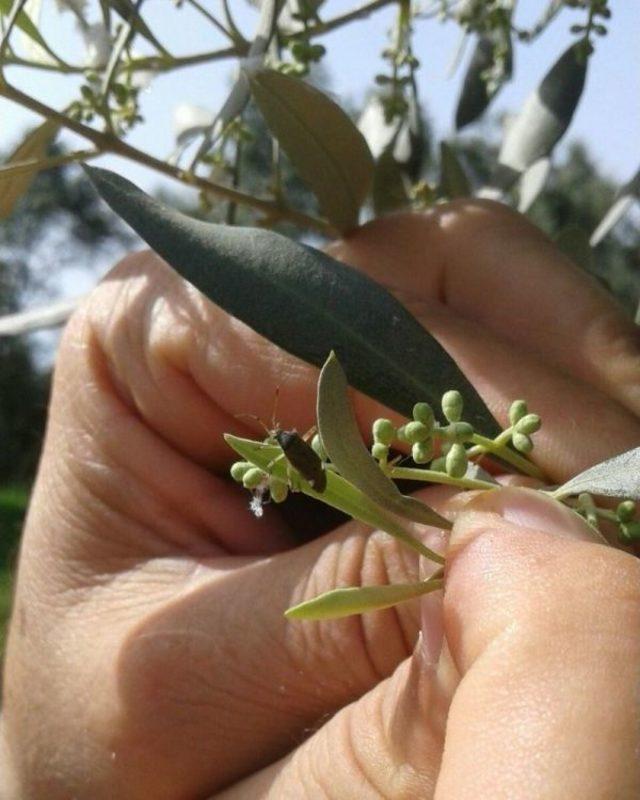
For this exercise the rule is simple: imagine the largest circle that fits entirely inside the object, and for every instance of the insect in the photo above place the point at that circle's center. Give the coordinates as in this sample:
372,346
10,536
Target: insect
302,457
297,451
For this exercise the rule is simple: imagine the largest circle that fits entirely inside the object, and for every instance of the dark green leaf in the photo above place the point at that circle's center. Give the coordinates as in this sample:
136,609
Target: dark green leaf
360,599
547,113
476,95
347,452
302,300
389,190
617,477
453,178
326,148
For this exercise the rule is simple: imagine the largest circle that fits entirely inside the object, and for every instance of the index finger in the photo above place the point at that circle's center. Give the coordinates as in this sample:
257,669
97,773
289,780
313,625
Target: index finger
493,267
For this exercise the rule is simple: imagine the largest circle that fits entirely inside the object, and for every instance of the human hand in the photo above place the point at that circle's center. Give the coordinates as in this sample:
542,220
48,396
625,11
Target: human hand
148,655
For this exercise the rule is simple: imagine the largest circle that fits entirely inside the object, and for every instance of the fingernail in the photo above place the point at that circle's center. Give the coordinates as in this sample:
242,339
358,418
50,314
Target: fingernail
525,508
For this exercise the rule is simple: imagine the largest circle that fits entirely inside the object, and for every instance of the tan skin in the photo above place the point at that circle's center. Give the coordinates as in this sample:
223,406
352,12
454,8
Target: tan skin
148,656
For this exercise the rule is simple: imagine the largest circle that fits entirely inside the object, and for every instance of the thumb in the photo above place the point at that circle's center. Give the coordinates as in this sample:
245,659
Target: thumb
541,620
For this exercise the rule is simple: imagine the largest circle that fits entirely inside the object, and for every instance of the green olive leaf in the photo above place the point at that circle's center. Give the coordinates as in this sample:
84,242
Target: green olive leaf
342,441
22,165
325,147
546,114
390,185
617,477
476,94
453,179
24,22
302,300
625,198
338,493
360,599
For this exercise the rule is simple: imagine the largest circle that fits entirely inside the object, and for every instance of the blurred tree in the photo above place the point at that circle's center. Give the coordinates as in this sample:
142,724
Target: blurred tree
61,215
575,199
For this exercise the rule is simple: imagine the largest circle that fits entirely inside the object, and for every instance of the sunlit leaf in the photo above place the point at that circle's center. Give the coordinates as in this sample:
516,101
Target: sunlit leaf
453,179
617,477
532,182
346,450
36,319
24,23
402,140
22,165
360,599
302,300
338,493
546,114
625,199
476,94
325,147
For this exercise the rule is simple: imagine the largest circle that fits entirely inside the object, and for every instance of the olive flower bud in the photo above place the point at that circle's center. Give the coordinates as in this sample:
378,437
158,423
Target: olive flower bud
452,405
253,477
422,452
456,461
422,412
522,442
383,431
239,469
529,424
517,411
415,432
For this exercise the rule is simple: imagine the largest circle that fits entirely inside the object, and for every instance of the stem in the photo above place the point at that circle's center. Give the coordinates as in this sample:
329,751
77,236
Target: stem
107,143
484,445
122,41
209,16
48,163
16,8
433,476
320,28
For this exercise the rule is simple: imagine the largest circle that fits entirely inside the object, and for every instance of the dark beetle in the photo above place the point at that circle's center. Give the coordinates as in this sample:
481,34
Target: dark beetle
302,457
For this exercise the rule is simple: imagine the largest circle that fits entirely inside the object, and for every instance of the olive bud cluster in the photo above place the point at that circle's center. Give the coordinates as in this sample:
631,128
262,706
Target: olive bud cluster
523,426
255,479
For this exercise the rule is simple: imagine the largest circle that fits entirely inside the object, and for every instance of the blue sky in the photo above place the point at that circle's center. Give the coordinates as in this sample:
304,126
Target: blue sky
608,118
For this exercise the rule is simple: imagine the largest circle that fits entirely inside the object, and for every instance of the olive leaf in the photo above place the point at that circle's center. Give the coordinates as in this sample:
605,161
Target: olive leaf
129,12
22,165
302,300
338,493
626,197
25,23
453,179
347,452
360,599
546,114
390,190
325,147
617,477
240,93
532,182
476,94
